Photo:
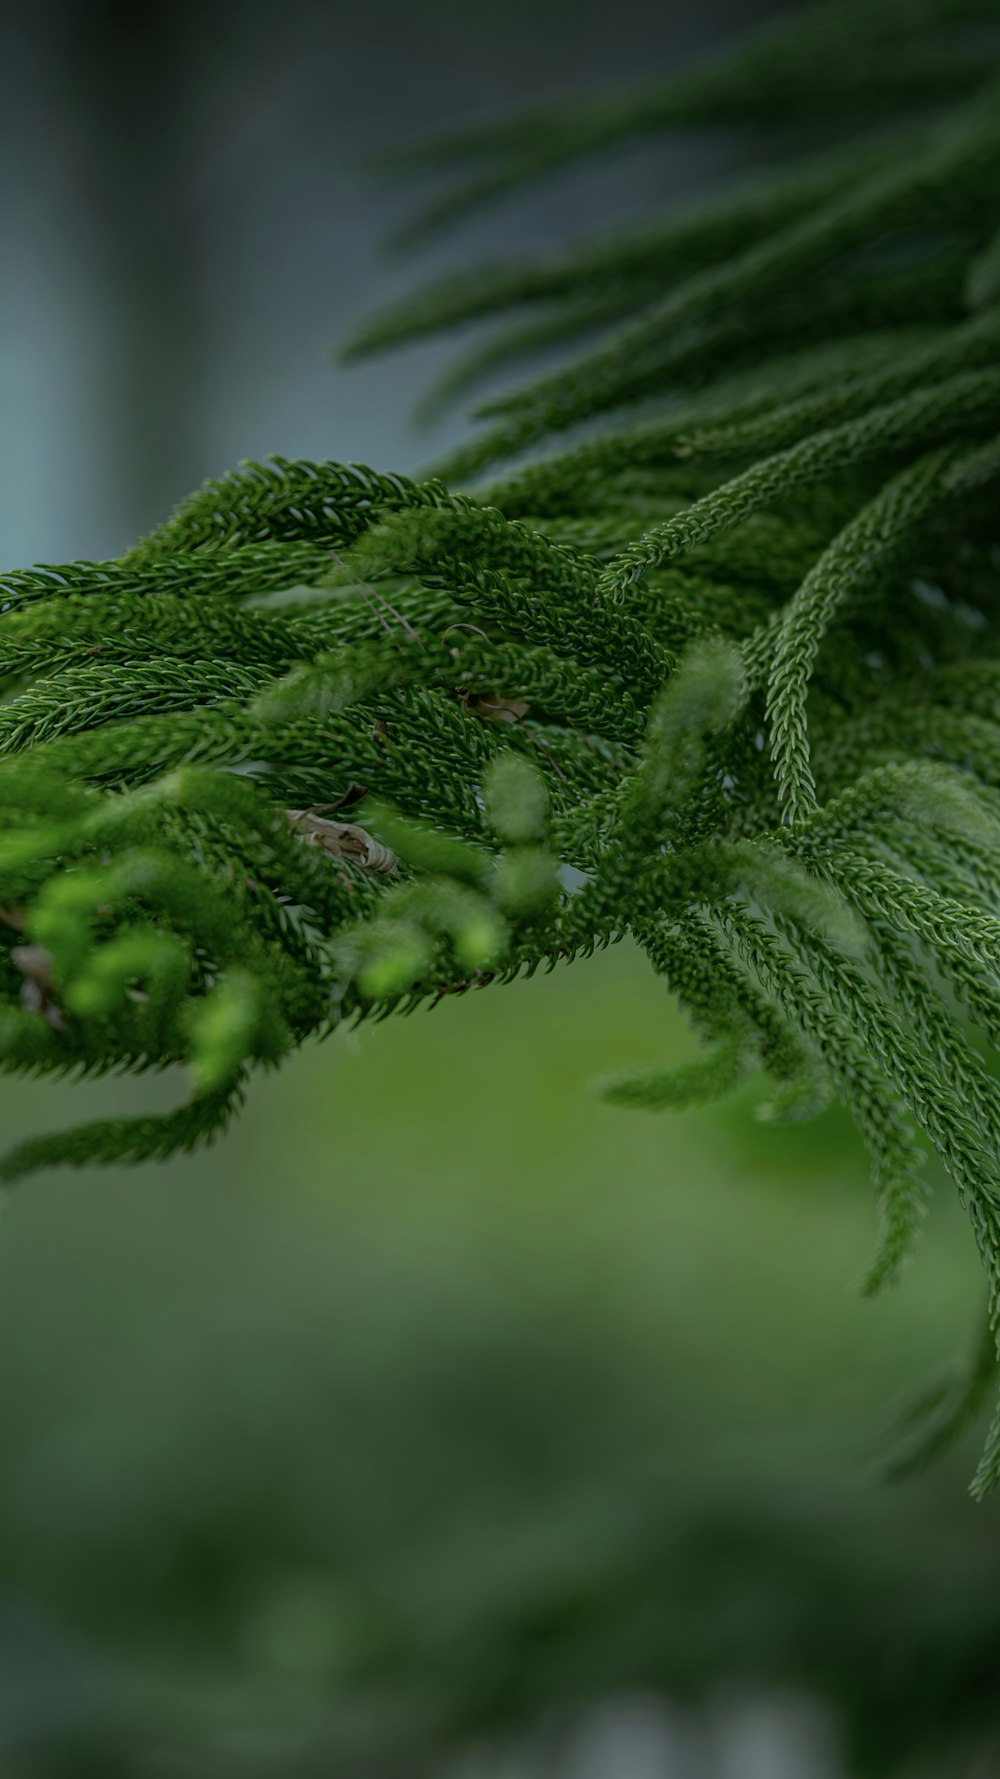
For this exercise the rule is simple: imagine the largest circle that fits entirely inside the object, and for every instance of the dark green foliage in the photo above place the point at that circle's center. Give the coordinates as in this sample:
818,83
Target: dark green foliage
723,675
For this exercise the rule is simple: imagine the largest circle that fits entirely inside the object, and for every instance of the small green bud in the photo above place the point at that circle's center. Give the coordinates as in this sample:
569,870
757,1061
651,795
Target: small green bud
527,881
517,801
92,997
404,954
224,1029
480,942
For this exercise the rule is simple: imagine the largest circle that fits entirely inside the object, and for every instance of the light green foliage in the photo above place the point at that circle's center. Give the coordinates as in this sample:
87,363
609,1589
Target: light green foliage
722,674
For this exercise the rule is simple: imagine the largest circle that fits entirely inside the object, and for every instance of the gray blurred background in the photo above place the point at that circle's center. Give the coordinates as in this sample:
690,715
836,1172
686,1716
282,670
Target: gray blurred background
189,228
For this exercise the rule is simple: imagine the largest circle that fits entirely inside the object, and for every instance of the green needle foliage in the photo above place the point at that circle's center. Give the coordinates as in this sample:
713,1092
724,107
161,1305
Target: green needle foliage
721,672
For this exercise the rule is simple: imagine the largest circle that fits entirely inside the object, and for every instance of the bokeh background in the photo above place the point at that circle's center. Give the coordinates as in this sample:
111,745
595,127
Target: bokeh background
442,1420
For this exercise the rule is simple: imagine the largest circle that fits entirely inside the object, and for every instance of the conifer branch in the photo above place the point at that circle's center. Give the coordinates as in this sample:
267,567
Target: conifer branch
733,659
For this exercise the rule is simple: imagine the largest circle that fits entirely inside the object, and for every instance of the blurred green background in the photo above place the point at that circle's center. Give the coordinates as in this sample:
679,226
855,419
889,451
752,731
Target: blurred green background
447,1420
442,1421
